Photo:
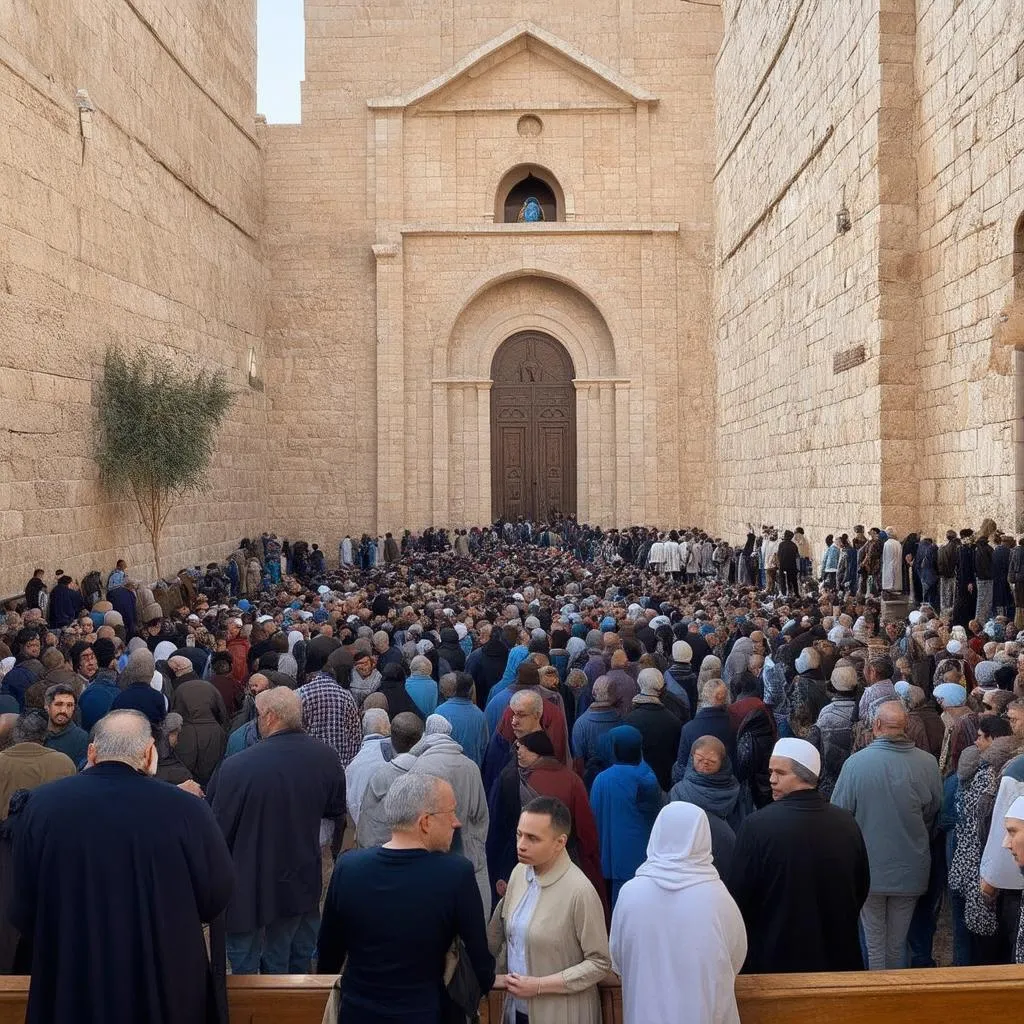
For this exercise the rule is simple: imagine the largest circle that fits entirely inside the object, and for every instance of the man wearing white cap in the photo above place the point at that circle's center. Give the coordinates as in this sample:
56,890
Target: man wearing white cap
799,873
894,790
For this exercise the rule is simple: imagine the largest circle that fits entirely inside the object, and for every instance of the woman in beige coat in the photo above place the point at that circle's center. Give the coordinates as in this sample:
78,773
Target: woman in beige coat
548,932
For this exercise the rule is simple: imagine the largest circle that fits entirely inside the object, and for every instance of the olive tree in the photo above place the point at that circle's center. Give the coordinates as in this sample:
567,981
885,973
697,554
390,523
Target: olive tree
158,426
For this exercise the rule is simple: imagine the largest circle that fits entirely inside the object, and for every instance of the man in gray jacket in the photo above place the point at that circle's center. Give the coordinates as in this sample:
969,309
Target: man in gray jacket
438,754
894,791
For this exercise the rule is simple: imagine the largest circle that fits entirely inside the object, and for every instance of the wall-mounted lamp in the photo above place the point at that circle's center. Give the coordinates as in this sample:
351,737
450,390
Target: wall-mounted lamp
843,220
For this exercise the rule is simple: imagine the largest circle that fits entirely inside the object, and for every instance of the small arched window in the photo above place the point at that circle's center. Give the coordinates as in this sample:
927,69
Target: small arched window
529,194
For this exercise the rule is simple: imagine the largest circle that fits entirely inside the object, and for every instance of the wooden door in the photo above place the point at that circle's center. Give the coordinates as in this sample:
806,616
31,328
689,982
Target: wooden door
533,429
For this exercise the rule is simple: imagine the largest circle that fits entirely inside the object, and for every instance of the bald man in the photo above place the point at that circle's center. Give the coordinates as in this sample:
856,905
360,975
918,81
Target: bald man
894,790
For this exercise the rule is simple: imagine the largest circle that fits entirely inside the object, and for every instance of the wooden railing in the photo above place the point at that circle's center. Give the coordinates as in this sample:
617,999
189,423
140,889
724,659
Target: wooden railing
883,997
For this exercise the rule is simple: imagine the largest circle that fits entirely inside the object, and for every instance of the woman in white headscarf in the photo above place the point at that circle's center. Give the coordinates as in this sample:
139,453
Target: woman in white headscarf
677,891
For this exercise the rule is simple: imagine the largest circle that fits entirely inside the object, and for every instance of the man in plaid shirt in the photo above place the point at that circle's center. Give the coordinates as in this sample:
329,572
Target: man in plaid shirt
330,714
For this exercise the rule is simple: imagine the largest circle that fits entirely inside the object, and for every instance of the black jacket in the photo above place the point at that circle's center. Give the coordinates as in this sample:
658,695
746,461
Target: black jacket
800,876
660,731
292,780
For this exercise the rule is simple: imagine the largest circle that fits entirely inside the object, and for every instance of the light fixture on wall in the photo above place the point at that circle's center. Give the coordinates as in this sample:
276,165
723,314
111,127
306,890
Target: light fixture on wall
843,223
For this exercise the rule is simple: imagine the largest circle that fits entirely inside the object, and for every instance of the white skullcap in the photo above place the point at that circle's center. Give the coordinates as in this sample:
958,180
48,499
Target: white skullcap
915,617
1016,810
265,618
460,628
800,751
323,589
954,647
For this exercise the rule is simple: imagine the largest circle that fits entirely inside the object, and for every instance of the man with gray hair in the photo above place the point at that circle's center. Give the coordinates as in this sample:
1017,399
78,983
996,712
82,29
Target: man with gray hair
657,725
28,762
376,728
373,829
799,873
121,829
288,781
600,717
393,912
894,790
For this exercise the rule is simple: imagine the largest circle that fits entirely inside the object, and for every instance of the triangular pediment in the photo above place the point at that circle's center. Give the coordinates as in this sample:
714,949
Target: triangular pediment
524,68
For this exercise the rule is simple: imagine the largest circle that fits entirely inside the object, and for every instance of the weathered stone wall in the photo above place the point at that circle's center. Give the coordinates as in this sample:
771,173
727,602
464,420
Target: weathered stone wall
906,111
970,80
797,90
137,223
352,328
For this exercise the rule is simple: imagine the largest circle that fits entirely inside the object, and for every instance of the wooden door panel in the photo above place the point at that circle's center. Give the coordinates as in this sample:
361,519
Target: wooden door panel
533,428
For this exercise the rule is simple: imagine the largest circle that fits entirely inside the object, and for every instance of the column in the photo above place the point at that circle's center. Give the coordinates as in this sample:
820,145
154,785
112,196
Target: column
584,453
629,503
439,490
482,513
607,458
390,388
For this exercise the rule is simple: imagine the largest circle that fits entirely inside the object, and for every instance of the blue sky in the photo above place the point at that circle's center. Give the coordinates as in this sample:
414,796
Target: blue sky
280,59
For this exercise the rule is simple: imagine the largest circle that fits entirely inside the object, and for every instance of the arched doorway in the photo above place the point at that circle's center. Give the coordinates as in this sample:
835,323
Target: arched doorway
533,428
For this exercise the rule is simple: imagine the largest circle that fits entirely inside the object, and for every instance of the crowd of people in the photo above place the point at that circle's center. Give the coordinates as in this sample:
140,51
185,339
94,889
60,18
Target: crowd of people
525,755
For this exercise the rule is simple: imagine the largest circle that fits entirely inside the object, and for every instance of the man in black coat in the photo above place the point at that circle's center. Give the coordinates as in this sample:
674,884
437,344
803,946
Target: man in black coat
269,801
789,555
115,874
799,873
657,725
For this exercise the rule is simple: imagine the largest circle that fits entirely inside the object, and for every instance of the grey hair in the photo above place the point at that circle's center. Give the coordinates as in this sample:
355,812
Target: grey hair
446,687
650,681
802,772
140,668
602,689
376,721
31,727
528,700
172,723
420,666
123,736
708,689
845,672
284,703
437,724
410,797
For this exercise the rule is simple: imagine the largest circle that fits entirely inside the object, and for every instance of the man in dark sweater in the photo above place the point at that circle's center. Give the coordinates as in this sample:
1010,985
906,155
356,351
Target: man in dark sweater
799,873
395,910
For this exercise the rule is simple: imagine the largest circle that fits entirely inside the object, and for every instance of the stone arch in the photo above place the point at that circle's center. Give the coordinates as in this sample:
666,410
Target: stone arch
499,304
564,204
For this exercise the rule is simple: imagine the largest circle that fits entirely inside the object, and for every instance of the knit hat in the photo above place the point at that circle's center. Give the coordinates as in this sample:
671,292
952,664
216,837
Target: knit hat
608,624
682,651
538,743
152,613
801,751
104,650
952,695
984,674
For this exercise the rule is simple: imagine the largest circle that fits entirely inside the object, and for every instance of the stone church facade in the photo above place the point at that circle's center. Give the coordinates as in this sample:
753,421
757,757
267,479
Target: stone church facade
648,261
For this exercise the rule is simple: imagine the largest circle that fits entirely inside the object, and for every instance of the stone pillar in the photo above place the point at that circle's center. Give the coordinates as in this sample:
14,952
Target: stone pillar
439,454
483,446
584,452
390,389
629,505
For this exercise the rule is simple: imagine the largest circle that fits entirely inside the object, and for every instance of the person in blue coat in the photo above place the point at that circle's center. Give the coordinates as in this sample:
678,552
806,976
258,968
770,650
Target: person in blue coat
469,726
151,868
626,799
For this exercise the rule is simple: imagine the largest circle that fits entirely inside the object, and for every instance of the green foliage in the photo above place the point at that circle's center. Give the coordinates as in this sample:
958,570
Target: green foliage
158,427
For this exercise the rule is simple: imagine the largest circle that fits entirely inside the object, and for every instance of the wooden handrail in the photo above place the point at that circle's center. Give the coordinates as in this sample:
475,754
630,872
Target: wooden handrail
882,997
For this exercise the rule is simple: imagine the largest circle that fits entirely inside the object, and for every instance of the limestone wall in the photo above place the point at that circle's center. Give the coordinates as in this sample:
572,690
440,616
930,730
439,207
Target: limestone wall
908,112
797,87
137,223
970,79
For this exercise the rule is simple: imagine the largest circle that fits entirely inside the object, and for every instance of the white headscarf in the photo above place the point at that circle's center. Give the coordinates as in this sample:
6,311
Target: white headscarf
164,650
293,638
6,665
679,850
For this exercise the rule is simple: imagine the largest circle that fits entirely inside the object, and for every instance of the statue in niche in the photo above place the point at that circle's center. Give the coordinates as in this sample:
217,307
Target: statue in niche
530,212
